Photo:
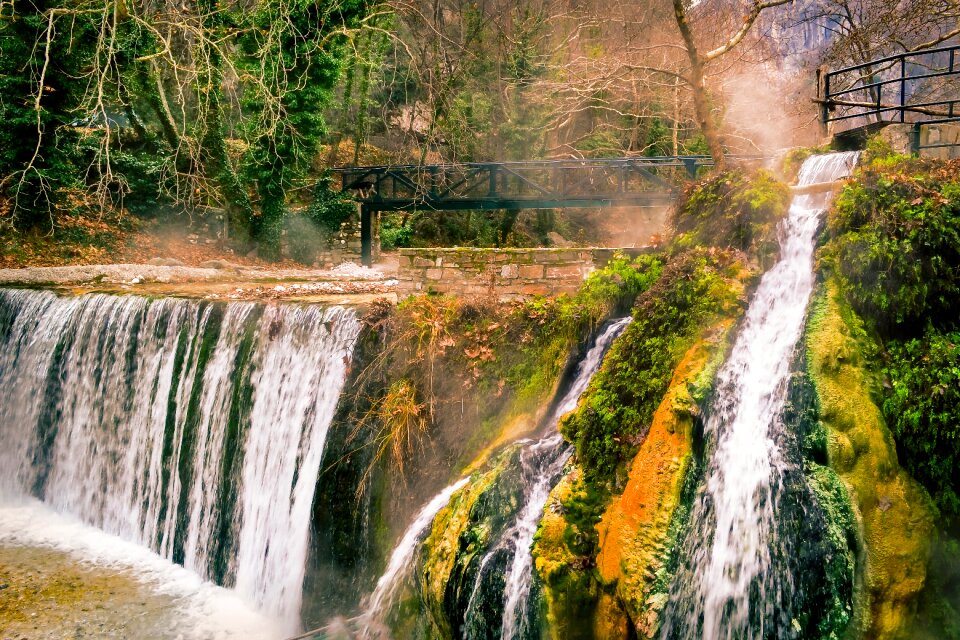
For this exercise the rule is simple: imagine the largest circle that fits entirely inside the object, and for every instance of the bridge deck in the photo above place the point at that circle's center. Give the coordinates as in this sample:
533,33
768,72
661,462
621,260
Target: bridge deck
541,184
546,184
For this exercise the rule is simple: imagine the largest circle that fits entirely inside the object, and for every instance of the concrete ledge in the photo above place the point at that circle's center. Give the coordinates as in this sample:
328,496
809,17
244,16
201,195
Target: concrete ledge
504,274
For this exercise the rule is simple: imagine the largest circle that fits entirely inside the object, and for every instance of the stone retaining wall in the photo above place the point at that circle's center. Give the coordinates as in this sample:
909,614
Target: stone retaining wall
500,273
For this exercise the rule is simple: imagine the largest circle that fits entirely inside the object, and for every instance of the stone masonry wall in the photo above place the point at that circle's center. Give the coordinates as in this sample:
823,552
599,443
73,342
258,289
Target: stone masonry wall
500,273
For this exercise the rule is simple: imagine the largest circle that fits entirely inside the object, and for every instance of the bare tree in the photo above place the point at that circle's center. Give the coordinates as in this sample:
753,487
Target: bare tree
699,61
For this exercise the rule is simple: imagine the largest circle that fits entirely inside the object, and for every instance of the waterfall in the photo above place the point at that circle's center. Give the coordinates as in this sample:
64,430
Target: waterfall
401,563
542,463
193,429
726,588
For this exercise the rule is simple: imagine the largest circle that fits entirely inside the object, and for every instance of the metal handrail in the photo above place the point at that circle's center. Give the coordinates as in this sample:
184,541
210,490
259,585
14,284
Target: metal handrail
896,56
660,161
830,99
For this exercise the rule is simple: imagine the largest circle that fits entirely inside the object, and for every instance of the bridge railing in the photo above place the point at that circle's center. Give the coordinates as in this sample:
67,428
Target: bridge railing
907,87
543,183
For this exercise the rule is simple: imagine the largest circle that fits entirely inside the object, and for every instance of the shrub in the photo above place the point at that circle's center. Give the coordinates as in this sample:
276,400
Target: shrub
329,208
895,241
619,404
922,408
733,209
393,233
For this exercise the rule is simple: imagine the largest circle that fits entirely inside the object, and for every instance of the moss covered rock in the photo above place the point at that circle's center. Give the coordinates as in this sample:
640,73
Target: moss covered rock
460,536
895,514
635,545
577,607
732,209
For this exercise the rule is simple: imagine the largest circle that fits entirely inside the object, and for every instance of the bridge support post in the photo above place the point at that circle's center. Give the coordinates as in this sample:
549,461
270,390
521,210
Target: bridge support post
366,235
823,95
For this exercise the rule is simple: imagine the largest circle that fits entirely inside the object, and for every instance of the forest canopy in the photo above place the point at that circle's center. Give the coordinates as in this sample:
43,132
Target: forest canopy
238,108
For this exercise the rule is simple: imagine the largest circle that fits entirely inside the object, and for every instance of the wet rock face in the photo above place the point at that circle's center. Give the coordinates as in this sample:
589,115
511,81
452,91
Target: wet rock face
894,514
457,584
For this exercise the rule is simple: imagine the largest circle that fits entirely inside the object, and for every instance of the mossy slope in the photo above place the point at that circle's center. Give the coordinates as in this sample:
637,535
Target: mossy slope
597,549
634,544
895,513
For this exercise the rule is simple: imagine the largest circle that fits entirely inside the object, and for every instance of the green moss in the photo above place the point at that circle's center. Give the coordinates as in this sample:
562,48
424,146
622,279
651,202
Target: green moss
564,559
895,514
835,610
659,588
608,566
617,408
733,209
461,534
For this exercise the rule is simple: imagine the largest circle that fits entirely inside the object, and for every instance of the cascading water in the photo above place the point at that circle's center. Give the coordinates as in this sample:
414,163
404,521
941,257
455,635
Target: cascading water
191,428
377,605
726,588
541,462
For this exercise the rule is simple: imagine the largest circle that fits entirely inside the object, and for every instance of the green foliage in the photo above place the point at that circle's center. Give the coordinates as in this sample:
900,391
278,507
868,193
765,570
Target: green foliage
618,406
35,171
74,69
731,209
393,233
922,409
879,151
306,56
329,209
895,241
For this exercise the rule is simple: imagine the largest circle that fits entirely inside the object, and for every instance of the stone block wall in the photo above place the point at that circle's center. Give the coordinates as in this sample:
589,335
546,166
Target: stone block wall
500,273
900,137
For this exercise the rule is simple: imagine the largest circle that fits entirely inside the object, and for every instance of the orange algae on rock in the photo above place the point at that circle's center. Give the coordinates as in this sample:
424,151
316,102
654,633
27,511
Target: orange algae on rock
895,513
577,608
634,529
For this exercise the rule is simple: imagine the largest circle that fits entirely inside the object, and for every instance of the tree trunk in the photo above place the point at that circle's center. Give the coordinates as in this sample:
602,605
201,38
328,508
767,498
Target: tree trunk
701,101
216,162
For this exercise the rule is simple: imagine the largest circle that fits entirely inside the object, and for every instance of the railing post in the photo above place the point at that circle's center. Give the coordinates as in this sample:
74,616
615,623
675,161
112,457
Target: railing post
823,92
879,100
903,89
366,235
492,191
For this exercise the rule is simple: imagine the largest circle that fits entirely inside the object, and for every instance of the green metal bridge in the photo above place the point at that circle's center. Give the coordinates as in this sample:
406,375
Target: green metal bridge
540,184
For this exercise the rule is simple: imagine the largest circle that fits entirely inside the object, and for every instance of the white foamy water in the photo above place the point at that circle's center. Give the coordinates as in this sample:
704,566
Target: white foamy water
193,429
202,611
544,461
728,591
402,559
